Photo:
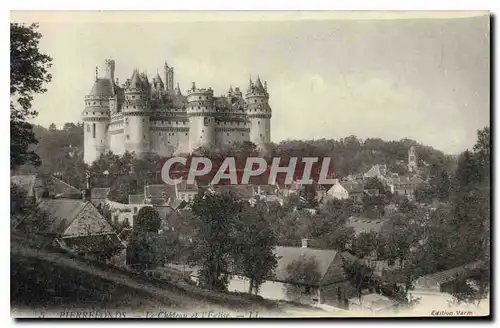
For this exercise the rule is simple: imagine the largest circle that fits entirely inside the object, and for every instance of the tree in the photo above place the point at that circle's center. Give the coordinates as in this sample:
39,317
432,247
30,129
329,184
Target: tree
213,239
147,220
254,245
17,200
364,244
146,249
302,275
28,75
473,287
359,275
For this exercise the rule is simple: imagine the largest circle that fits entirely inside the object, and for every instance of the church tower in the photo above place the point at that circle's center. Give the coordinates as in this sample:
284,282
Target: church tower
258,112
412,160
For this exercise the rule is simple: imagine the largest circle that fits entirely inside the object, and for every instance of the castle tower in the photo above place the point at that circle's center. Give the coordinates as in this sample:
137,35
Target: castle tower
136,114
110,69
412,160
258,113
96,118
169,77
200,111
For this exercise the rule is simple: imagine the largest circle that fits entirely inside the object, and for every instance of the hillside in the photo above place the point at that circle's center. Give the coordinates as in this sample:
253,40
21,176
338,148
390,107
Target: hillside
44,280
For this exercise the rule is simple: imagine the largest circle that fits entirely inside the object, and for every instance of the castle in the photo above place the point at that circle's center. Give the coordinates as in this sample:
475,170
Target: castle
154,116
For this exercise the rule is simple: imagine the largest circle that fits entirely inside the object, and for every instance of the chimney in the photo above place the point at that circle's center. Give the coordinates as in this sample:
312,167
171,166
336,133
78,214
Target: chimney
305,243
86,195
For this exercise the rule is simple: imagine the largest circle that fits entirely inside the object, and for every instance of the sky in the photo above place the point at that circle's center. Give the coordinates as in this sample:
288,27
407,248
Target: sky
424,76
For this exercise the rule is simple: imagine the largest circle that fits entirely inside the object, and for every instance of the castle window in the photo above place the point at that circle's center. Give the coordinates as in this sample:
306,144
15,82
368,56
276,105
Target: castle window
199,98
128,137
93,113
261,135
93,130
133,97
255,100
93,103
134,107
186,134
242,134
228,134
258,122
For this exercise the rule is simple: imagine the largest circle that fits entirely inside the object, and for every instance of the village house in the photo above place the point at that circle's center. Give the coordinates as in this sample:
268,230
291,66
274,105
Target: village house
287,190
98,196
365,225
378,171
330,287
74,225
185,191
35,185
436,290
406,186
159,194
337,191
354,189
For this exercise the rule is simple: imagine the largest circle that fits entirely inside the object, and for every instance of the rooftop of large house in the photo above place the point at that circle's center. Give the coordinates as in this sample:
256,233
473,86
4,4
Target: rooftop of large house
365,225
241,191
60,214
323,258
158,191
447,276
136,199
55,186
99,193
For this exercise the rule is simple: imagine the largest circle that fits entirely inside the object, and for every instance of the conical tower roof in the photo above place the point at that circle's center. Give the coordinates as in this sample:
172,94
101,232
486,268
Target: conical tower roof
102,88
259,87
157,78
135,81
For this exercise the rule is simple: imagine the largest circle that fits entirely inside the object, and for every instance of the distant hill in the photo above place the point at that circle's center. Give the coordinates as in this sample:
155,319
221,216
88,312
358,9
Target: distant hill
350,155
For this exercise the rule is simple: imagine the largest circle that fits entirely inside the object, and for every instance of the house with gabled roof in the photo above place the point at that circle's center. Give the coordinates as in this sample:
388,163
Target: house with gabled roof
35,185
329,286
186,191
159,194
74,225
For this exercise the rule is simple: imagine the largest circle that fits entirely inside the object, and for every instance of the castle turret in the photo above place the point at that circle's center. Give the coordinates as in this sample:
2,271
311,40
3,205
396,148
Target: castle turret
96,118
110,69
158,83
201,112
136,114
258,113
169,77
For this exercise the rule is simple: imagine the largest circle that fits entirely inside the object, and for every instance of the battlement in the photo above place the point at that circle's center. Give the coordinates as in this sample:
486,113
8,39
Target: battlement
194,90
